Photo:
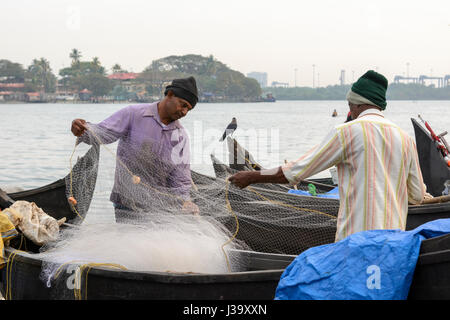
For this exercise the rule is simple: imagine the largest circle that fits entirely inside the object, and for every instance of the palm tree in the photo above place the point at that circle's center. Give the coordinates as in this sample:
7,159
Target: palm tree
116,68
41,75
45,65
75,55
96,61
97,66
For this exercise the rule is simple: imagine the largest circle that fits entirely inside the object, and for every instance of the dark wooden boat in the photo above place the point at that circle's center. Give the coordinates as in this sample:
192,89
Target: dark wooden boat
417,214
20,279
248,203
240,159
52,198
434,169
431,280
258,281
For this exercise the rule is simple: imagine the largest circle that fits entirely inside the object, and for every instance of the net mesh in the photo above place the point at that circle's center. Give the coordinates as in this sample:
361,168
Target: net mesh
150,228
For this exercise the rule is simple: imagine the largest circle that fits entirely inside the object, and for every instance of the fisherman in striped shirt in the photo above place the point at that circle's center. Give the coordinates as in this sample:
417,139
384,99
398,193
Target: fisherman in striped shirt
377,164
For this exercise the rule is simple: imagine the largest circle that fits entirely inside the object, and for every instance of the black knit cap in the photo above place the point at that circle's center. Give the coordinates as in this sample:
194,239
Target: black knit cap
185,89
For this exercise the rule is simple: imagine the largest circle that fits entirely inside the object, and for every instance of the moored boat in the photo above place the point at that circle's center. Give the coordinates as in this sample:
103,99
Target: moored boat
241,159
435,170
20,279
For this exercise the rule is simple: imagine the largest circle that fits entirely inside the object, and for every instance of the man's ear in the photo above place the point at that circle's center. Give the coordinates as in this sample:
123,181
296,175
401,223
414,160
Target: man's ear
170,93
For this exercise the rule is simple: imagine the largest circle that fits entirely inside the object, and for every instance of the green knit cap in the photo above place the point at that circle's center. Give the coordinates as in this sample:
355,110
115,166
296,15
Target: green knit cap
372,86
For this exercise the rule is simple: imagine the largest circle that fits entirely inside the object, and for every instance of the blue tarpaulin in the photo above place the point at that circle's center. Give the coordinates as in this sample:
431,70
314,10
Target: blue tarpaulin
332,194
375,264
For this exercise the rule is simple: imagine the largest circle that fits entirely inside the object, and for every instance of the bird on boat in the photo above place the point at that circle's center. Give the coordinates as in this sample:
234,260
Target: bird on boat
230,129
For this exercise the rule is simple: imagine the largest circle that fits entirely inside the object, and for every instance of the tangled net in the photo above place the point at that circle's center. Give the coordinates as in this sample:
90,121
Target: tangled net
151,230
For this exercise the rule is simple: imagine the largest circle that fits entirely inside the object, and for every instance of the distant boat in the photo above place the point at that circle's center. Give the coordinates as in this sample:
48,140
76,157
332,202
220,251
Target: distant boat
269,98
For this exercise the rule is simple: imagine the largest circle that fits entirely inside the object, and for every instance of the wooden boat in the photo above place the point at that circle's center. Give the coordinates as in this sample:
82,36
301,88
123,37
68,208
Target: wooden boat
258,281
52,198
431,280
241,159
249,203
20,279
435,170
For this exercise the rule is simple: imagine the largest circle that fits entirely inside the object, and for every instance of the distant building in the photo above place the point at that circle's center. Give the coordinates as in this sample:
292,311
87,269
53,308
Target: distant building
130,81
33,97
261,77
85,94
280,84
12,86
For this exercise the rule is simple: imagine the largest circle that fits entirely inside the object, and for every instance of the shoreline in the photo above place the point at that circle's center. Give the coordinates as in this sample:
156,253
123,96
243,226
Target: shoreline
209,102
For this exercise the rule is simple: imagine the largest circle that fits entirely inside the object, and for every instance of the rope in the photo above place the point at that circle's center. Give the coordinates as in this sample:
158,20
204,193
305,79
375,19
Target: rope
237,224
81,268
9,264
89,266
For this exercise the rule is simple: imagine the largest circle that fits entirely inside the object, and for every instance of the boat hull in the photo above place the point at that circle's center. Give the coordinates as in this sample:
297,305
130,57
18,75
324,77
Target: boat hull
431,280
259,282
435,170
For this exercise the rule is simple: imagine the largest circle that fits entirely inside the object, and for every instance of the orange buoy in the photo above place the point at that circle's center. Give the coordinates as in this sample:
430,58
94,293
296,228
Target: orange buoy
136,179
72,201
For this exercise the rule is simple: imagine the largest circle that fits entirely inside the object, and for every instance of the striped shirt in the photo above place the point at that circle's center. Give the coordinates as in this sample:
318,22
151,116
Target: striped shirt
378,171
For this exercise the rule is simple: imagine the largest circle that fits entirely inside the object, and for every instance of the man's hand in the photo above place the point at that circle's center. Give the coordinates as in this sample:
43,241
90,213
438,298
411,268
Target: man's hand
241,179
190,207
427,196
78,127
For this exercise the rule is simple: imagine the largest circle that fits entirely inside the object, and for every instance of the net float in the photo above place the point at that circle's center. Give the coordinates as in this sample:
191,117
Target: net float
72,201
136,179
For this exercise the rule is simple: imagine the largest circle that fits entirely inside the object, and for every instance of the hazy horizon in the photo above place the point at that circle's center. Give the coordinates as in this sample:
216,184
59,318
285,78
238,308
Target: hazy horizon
393,37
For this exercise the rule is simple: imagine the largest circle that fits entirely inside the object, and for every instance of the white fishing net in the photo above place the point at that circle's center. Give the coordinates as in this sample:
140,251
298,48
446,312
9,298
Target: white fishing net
168,218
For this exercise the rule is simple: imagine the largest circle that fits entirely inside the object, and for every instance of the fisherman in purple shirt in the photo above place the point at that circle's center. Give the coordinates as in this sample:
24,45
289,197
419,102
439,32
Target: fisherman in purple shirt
152,144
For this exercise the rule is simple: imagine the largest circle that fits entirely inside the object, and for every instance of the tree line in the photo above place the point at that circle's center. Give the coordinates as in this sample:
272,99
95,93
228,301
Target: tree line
214,79
396,91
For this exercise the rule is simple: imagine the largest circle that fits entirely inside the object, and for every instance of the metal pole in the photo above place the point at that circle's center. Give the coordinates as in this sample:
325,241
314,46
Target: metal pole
295,77
314,75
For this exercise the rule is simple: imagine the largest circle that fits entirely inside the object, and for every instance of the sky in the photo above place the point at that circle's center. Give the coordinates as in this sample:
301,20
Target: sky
283,38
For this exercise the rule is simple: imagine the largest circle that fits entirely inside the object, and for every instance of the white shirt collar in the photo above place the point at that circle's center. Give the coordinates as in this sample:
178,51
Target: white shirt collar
371,111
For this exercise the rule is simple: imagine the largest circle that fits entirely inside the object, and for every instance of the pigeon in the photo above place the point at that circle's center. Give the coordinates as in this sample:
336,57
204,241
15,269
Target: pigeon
230,129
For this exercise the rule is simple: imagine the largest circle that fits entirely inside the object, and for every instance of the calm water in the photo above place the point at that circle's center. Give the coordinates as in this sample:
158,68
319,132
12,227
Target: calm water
36,142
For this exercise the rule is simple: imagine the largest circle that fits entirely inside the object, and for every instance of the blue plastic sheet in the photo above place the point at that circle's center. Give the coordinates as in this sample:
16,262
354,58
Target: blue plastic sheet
332,194
375,264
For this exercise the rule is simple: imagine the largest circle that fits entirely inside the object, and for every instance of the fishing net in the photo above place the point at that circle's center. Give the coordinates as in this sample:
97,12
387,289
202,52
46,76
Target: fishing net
138,206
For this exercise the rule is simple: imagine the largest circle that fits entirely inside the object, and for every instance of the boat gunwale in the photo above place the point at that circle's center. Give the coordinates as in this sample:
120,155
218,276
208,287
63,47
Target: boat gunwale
164,277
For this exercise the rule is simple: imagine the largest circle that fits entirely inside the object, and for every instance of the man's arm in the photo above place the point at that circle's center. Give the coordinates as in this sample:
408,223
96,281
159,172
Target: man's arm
325,155
107,131
243,179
